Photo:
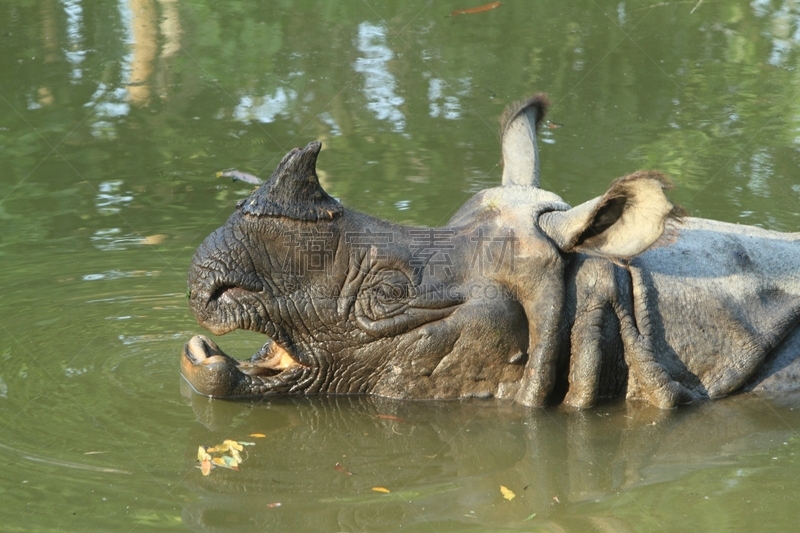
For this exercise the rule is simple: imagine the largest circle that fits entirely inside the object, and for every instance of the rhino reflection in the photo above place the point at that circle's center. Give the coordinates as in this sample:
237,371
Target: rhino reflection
446,465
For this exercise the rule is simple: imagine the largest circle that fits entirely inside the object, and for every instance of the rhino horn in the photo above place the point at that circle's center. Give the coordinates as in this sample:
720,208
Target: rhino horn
518,136
293,190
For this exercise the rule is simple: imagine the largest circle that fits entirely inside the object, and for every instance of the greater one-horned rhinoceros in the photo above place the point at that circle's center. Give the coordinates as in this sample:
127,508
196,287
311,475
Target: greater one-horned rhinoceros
518,296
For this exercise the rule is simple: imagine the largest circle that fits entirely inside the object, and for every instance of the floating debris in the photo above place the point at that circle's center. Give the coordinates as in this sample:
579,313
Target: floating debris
393,418
229,456
479,9
341,469
237,175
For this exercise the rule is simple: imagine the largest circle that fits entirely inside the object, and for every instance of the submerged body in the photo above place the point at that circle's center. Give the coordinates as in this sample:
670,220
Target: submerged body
520,296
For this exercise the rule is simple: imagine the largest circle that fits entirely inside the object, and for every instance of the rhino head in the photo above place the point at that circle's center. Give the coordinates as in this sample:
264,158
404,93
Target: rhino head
355,304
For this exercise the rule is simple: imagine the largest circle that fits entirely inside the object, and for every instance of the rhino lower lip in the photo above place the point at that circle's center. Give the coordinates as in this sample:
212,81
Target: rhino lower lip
270,360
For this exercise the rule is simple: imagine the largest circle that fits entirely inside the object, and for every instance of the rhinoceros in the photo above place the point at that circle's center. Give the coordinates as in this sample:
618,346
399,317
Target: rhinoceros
519,296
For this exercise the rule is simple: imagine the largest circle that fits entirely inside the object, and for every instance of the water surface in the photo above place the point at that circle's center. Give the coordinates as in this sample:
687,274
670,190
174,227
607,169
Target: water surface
115,118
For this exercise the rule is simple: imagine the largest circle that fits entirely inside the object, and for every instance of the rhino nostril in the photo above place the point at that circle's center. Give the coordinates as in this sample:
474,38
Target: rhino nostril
219,291
234,292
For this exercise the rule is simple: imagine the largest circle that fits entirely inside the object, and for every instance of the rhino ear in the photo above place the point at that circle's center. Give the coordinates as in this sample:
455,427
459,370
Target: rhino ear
293,190
621,224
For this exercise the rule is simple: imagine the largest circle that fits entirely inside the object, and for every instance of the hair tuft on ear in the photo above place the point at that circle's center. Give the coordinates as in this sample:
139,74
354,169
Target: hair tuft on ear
539,102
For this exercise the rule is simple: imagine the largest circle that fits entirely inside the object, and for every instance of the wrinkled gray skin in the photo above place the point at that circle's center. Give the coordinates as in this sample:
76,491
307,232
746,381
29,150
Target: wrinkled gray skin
518,297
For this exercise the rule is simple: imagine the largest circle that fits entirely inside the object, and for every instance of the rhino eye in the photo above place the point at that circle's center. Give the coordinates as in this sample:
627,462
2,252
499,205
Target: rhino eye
384,295
391,293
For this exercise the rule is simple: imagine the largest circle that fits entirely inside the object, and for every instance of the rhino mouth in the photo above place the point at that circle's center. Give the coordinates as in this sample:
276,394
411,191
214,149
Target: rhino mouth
213,373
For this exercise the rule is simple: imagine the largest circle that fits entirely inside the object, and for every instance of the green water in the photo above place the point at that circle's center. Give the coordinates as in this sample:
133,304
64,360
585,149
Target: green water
115,118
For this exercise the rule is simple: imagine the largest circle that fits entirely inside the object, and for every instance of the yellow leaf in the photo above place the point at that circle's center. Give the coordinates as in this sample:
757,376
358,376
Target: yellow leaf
235,455
232,445
257,435
205,467
381,489
508,494
153,239
202,455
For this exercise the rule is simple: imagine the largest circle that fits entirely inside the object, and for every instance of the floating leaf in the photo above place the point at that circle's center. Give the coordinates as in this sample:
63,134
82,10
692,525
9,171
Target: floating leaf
273,505
202,455
256,435
225,461
235,455
530,517
479,9
381,489
231,462
508,494
233,445
243,443
152,240
227,455
343,470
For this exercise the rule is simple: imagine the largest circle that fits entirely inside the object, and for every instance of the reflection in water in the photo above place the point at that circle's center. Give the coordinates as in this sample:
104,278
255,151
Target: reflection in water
118,274
49,31
264,109
170,28
450,107
27,455
74,52
144,45
379,83
109,199
761,169
443,462
128,340
785,28
71,372
107,104
110,240
326,118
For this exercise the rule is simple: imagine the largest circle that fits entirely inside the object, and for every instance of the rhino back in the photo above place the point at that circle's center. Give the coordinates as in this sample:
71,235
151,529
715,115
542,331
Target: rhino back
719,300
